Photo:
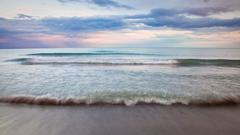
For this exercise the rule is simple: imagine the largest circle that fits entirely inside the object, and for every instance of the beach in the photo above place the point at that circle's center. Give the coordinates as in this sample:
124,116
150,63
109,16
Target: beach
119,67
119,120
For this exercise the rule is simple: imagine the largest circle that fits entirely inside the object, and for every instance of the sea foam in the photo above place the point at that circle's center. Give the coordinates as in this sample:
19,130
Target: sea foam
47,100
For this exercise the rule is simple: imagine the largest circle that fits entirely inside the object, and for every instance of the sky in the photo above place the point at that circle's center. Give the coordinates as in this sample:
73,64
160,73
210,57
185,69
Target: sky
119,23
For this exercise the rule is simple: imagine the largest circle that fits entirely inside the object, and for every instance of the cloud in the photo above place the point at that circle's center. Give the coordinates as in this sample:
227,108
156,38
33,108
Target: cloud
17,41
205,11
21,26
4,32
23,16
159,25
186,23
178,18
38,41
157,18
100,3
77,24
206,0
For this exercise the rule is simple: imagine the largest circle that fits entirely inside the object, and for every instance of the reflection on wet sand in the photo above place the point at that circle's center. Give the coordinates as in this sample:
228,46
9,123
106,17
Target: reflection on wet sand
104,120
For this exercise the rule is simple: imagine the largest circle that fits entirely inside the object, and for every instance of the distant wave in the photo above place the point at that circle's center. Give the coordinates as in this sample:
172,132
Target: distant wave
34,100
19,60
92,53
106,51
176,62
112,63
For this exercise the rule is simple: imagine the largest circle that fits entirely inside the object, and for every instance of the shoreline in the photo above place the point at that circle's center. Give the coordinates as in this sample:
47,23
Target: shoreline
112,119
52,101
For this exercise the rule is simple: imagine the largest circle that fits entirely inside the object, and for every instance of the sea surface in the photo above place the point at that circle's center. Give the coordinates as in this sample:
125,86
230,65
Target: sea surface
120,76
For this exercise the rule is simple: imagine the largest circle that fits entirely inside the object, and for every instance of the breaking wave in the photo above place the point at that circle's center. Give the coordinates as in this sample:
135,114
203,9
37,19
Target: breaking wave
176,62
41,100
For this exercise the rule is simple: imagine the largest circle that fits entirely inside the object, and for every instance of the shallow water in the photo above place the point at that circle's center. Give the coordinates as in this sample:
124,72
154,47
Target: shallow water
120,76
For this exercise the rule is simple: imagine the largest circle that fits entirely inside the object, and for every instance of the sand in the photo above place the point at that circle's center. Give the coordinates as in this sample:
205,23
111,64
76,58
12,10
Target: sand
119,120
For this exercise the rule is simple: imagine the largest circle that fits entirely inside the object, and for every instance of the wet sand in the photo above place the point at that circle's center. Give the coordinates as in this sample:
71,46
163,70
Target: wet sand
119,120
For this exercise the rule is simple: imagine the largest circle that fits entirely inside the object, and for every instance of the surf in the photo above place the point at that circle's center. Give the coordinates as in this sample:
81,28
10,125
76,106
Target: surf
116,62
71,101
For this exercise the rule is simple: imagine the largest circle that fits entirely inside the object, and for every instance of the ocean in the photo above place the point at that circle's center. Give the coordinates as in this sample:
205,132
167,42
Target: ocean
127,76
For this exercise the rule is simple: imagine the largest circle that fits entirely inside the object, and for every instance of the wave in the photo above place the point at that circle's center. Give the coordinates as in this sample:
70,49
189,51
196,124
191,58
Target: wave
176,62
41,100
105,51
208,62
19,60
111,63
89,54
